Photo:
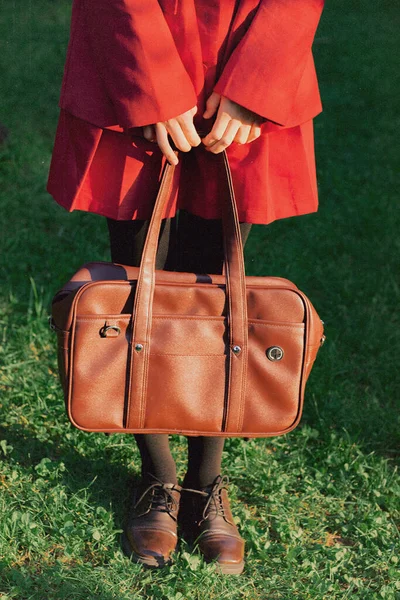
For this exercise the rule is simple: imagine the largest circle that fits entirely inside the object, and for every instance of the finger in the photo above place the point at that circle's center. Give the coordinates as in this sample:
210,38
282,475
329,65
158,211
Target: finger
243,134
227,138
218,130
149,133
189,131
175,131
212,105
254,133
164,145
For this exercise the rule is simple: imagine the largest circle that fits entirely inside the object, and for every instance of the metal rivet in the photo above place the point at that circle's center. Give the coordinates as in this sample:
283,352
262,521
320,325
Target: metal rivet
236,349
138,347
274,353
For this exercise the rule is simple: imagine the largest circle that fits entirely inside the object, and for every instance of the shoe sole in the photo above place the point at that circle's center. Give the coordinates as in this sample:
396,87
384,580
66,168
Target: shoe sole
230,569
148,561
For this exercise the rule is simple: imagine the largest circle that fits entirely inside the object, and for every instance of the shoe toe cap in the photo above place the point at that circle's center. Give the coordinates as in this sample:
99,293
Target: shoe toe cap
152,543
226,549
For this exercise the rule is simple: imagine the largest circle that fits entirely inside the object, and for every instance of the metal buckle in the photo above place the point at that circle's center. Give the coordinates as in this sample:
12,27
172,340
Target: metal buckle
52,325
106,328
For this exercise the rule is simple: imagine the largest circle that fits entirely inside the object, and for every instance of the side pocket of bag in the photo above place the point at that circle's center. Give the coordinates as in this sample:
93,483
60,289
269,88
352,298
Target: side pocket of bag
63,360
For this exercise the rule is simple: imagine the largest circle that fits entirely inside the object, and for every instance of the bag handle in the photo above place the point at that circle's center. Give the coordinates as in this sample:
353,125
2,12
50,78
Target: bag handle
237,308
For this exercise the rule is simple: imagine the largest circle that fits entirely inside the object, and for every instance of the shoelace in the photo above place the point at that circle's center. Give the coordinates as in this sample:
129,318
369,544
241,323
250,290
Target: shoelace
161,499
214,506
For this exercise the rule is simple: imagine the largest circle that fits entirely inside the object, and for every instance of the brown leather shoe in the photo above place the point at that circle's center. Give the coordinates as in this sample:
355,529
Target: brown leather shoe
206,519
150,536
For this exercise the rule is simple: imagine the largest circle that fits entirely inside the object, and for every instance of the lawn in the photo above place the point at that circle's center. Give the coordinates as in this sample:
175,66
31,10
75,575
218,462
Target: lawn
319,508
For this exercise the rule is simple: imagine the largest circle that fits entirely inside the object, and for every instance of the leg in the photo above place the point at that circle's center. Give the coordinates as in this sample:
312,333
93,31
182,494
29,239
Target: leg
150,534
205,513
126,241
200,250
200,244
204,461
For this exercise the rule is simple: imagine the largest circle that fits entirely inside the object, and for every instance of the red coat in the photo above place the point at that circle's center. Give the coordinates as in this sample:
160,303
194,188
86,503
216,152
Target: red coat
135,62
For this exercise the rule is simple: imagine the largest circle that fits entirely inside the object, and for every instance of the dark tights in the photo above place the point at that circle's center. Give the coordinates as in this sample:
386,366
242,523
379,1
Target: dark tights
190,244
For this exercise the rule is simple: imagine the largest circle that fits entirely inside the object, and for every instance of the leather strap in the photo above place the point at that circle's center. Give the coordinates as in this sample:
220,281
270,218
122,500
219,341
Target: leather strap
143,309
237,309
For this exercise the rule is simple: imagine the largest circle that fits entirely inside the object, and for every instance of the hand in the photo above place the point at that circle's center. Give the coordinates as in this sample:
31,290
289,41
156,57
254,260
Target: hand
234,123
182,131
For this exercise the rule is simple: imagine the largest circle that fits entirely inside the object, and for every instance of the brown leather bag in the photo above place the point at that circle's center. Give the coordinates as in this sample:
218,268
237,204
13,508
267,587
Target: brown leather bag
165,352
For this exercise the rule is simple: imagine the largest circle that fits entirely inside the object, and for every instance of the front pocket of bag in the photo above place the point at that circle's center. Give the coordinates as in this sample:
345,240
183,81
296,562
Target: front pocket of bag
186,379
98,373
274,387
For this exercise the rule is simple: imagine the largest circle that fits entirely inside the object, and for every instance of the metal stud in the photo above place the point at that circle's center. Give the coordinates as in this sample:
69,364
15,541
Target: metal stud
236,349
274,353
138,347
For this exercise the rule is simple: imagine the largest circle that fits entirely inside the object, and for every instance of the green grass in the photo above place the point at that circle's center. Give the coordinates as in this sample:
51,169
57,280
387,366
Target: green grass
319,508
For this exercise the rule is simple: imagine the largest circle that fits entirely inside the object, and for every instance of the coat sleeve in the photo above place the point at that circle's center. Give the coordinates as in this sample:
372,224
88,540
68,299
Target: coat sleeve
137,60
265,71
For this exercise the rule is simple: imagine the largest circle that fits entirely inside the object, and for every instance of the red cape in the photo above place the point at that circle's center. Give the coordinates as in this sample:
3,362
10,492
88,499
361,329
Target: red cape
135,62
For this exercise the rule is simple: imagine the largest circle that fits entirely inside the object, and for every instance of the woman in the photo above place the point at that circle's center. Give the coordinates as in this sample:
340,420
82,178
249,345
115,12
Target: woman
205,76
